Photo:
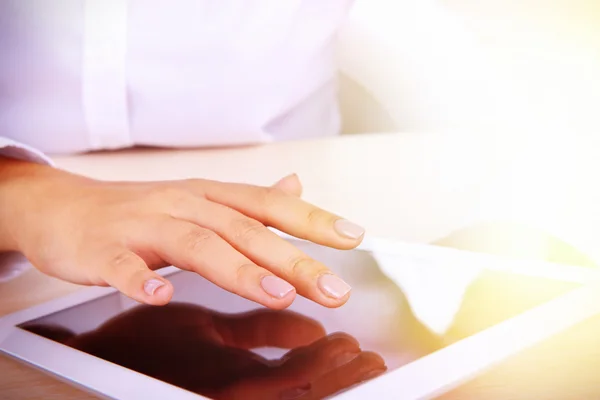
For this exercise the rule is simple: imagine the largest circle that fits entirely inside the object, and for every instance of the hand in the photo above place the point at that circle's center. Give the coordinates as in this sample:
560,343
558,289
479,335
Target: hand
117,233
209,353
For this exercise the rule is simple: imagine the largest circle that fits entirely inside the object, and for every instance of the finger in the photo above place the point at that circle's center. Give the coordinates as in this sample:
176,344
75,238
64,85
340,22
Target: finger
311,362
290,184
200,250
310,278
266,328
304,365
274,207
364,367
128,273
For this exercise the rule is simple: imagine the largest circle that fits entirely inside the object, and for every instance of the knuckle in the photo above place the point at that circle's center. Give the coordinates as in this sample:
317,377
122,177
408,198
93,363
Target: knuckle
316,216
246,229
122,265
298,265
124,258
242,273
196,239
173,196
267,198
196,185
271,195
192,181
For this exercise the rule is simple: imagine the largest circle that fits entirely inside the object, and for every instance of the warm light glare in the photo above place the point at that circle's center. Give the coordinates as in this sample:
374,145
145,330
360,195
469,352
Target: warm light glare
525,75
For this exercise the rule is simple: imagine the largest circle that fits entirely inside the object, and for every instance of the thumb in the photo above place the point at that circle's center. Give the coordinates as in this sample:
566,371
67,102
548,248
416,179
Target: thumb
290,184
128,273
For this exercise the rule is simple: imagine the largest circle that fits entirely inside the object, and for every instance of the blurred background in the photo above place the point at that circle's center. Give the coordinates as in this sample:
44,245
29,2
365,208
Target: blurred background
470,64
521,77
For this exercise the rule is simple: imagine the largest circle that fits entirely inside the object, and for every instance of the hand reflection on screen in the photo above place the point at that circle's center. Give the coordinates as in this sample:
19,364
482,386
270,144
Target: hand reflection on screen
210,353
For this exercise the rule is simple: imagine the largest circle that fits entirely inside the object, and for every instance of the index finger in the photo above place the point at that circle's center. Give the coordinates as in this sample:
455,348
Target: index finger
281,210
268,328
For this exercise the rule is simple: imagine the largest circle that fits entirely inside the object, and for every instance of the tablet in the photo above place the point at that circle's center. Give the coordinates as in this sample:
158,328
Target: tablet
422,322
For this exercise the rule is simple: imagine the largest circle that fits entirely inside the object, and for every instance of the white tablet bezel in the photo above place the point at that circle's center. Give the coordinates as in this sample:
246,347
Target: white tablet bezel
424,378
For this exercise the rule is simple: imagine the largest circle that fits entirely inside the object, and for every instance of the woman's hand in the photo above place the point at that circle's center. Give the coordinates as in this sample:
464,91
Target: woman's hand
117,233
210,353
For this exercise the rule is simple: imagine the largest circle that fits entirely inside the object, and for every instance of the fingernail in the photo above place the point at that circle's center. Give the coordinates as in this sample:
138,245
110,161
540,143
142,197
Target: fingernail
344,359
290,184
279,182
348,229
276,287
333,286
295,393
372,374
292,175
152,285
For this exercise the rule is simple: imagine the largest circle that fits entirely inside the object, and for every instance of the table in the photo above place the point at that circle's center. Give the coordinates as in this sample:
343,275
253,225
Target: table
411,186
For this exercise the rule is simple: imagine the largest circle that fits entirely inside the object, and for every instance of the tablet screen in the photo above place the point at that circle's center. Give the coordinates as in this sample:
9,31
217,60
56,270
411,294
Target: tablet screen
213,343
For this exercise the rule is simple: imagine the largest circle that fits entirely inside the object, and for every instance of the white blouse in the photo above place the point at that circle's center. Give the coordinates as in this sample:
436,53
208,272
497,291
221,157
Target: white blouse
104,74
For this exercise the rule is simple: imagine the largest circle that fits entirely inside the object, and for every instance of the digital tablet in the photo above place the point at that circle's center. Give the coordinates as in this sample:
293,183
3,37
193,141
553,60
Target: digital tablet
422,322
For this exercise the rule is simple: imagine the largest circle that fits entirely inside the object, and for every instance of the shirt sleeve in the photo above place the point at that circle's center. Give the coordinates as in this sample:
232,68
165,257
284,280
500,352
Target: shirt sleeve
12,149
13,264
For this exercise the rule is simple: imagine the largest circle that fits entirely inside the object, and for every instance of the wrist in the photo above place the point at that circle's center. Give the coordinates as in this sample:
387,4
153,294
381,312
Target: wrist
19,186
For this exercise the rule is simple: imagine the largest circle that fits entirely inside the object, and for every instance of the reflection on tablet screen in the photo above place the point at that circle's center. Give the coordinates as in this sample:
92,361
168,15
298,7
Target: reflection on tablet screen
216,344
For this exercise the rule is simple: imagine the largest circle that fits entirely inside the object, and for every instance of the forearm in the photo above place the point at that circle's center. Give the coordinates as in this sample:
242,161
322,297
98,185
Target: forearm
15,177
